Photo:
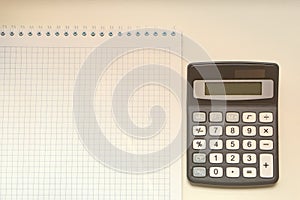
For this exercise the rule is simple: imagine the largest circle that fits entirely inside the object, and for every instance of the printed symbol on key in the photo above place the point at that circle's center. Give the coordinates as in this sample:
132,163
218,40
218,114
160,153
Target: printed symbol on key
249,117
266,165
199,143
199,130
266,130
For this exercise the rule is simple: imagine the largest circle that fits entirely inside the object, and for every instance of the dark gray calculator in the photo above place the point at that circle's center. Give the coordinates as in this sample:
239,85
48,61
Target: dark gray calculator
232,123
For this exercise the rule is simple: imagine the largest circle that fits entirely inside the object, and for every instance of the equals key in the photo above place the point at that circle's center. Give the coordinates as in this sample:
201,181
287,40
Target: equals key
249,172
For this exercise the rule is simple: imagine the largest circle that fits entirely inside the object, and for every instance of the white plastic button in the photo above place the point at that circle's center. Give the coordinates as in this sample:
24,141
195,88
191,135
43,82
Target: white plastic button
266,144
232,172
215,117
249,172
266,131
215,130
199,130
199,144
249,117
216,172
266,165
215,158
216,144
266,117
199,157
232,158
232,130
249,130
199,172
249,158
232,117
199,116
249,144
232,144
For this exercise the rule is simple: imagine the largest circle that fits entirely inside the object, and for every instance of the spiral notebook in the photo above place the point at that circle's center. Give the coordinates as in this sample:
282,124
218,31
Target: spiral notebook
90,113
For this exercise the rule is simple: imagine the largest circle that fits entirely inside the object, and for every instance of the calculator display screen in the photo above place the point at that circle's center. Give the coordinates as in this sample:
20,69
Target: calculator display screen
233,88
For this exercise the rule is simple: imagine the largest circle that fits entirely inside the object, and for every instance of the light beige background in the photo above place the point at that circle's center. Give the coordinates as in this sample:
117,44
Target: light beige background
228,30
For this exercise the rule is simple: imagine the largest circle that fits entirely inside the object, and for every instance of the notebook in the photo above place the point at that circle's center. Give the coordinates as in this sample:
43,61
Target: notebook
90,113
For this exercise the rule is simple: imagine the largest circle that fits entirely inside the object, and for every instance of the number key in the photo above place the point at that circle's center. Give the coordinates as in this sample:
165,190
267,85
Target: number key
232,144
249,130
215,130
249,158
232,158
232,130
215,144
249,144
215,158
216,172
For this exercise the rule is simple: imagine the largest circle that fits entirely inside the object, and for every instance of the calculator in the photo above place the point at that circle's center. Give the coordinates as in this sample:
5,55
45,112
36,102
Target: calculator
232,123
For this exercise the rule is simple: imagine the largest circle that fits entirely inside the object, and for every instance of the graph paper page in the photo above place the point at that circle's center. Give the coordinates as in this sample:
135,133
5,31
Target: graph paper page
89,116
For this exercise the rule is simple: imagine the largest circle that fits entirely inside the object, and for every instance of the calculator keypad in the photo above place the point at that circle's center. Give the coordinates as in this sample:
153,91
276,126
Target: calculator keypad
233,145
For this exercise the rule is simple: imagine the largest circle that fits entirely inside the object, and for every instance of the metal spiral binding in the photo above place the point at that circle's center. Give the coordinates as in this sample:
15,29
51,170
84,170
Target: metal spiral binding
76,31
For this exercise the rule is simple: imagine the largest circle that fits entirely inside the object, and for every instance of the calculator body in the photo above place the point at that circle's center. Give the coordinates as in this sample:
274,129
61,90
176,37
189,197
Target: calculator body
232,123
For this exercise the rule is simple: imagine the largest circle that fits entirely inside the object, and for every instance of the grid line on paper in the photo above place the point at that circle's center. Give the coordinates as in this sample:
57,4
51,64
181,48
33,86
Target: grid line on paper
41,153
